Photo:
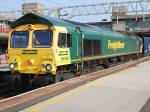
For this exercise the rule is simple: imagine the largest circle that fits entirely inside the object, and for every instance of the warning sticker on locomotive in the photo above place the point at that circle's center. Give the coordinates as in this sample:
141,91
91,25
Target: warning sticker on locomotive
115,45
62,53
29,51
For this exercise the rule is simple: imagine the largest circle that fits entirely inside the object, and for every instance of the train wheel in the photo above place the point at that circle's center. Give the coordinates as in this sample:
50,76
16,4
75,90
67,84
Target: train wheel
99,67
43,80
58,77
69,75
25,82
85,71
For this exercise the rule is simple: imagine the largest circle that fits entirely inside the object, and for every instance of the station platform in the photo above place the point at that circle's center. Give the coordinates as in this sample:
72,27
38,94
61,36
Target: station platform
125,91
4,67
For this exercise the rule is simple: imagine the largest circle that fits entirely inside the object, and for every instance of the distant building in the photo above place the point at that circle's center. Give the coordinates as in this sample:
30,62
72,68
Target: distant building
5,23
4,26
32,8
122,21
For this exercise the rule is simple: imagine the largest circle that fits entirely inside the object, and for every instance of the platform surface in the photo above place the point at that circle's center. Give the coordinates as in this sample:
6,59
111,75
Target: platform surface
4,67
125,91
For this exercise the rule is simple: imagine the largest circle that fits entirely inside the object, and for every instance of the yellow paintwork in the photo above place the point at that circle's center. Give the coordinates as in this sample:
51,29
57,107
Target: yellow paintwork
141,48
33,63
115,45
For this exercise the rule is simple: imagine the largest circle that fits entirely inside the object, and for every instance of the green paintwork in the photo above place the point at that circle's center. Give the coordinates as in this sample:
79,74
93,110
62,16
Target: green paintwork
132,43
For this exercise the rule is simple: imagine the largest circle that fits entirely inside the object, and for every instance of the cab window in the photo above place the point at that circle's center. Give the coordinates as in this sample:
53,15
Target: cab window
19,39
64,40
42,38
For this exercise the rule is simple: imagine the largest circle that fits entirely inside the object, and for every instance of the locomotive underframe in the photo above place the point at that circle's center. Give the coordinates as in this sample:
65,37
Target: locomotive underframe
84,67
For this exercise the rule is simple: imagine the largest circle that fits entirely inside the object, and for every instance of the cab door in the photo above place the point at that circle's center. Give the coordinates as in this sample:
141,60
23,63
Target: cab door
79,43
79,47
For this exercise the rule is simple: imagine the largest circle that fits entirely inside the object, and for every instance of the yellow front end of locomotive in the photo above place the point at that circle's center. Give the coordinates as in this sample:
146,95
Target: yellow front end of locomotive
33,50
32,62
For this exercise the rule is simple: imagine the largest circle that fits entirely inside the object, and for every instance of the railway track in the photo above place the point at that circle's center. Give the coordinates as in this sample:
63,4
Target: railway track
8,90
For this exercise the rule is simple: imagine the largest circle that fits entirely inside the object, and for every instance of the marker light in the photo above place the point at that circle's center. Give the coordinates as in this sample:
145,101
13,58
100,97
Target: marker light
48,67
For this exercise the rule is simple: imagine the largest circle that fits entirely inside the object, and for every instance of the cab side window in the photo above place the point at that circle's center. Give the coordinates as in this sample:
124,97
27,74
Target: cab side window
64,40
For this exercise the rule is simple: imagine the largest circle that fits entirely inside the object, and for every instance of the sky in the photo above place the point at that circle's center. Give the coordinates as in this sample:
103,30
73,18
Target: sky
11,5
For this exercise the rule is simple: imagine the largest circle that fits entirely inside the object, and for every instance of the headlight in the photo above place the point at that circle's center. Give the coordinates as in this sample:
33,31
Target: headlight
11,66
48,67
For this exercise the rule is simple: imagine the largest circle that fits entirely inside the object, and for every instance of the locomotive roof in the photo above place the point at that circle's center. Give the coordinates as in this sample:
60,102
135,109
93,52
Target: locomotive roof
37,18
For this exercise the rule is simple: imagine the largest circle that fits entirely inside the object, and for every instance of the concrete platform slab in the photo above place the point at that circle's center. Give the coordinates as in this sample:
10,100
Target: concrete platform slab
125,91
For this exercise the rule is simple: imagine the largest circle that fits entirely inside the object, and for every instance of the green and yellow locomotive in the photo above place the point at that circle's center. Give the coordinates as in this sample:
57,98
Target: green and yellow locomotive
41,46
